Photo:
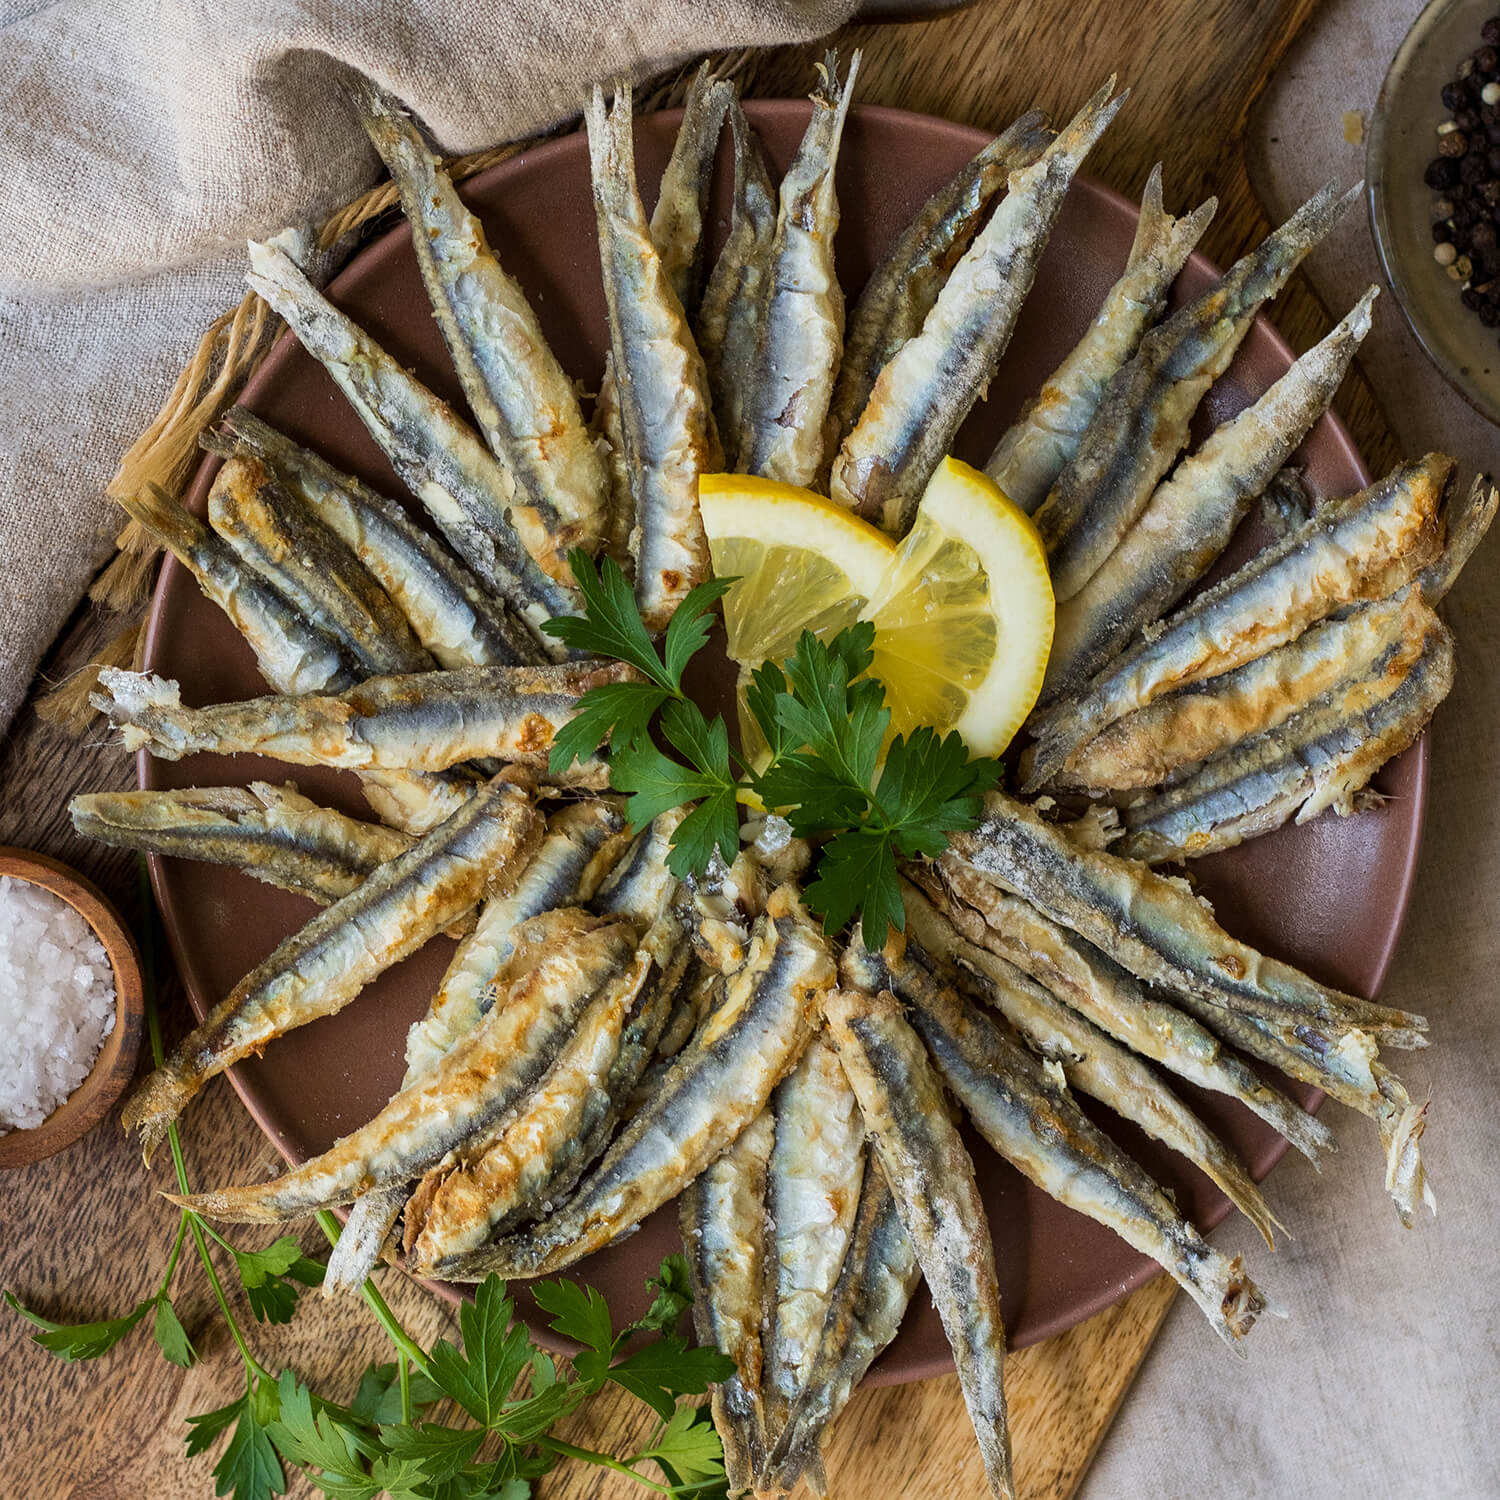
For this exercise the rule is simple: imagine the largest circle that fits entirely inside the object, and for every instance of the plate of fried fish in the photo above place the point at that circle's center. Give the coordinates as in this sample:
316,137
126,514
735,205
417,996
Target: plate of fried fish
475,1007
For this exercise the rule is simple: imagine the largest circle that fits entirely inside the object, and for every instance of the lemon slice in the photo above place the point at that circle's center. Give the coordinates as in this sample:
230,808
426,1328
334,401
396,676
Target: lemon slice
964,614
803,563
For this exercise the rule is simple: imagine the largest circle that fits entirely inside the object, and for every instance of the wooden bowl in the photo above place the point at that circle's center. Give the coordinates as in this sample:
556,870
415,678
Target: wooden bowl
115,1065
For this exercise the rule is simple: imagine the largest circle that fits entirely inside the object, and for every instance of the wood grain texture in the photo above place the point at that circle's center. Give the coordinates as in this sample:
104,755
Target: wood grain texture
84,1233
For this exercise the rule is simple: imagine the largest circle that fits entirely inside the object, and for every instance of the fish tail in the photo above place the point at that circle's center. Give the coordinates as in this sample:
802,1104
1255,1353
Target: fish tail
1402,1124
1467,524
168,520
145,708
1265,270
155,1105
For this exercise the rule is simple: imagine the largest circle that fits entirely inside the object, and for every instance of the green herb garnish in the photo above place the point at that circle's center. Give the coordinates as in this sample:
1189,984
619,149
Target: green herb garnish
506,1393
825,722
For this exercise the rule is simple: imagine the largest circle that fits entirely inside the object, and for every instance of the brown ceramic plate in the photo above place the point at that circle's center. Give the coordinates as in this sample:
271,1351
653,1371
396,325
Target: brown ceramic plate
1328,896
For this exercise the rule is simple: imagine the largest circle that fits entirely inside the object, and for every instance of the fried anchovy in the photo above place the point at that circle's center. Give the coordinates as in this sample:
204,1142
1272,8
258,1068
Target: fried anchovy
581,842
276,536
610,436
1142,420
1156,927
1168,738
1364,546
869,1299
800,337
666,421
722,1214
811,1198
922,396
539,1154
293,655
1188,521
1044,439
682,199
1092,1063
727,326
1322,757
271,832
475,502
1112,999
1350,1072
453,616
904,286
320,968
428,721
524,402
569,967
1034,1123
525,1169
709,1093
932,1179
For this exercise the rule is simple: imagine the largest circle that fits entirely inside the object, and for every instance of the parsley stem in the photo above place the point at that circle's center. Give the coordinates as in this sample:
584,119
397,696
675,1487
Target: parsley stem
177,1244
403,1341
603,1460
252,1365
403,1373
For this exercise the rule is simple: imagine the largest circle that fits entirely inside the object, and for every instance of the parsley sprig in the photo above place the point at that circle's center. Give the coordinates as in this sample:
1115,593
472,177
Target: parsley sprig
505,1393
832,769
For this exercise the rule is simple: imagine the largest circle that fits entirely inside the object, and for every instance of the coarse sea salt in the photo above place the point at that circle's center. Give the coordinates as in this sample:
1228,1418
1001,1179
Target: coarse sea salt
57,1002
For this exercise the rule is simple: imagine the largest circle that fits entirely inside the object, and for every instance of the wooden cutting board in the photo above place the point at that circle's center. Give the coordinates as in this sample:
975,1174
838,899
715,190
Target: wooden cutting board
84,1235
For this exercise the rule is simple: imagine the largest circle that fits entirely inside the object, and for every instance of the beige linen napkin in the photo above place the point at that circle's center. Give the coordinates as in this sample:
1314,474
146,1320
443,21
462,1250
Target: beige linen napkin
1383,1381
142,143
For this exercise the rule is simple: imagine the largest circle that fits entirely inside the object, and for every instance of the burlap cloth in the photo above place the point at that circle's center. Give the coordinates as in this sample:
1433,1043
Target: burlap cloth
134,160
1383,1382
142,142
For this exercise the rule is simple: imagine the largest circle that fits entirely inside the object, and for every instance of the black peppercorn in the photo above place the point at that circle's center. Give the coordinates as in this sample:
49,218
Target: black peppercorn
1490,192
1460,192
1476,144
1486,60
1484,236
1490,31
1455,143
1467,120
1441,232
1472,170
1468,212
1455,96
1471,299
1489,314
1442,172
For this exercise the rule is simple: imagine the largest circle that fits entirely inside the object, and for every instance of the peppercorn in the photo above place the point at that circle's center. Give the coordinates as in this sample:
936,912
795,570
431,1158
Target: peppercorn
1442,172
1444,255
1455,143
1472,170
1464,69
1490,31
1466,213
1489,314
1490,93
1460,192
1470,299
1467,120
1442,208
1484,236
1486,60
1442,232
1455,96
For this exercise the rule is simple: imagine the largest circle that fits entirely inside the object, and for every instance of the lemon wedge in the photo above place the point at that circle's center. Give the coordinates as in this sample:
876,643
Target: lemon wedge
803,562
964,614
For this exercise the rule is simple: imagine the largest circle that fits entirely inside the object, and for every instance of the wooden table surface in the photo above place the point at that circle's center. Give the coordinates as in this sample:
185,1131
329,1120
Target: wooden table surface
84,1234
